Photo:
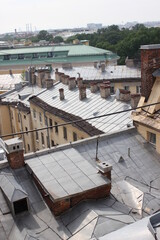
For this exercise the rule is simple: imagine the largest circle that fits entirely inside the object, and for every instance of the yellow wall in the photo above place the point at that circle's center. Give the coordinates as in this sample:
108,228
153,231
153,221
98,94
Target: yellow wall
57,138
5,123
144,131
132,86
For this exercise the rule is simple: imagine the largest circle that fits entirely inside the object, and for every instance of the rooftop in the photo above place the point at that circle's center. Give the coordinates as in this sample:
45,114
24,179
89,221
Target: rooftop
8,82
135,193
92,106
151,46
111,73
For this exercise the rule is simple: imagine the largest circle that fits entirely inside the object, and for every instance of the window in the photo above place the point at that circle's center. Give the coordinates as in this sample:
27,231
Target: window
65,133
18,117
126,88
28,147
152,138
37,136
11,115
46,120
20,56
6,57
40,117
49,54
50,123
42,138
35,55
112,90
24,116
74,136
26,129
56,127
47,140
52,143
138,89
34,113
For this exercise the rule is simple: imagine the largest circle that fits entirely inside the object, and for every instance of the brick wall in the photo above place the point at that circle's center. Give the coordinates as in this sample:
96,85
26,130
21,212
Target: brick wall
60,206
16,159
150,61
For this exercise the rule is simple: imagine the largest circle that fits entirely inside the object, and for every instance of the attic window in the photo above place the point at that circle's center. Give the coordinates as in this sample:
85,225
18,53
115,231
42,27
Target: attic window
152,138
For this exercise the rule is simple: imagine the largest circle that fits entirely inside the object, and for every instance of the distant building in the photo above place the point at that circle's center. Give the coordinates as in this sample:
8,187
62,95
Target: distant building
92,26
77,55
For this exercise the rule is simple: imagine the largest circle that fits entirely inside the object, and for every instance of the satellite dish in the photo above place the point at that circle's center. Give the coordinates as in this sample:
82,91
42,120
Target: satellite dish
117,94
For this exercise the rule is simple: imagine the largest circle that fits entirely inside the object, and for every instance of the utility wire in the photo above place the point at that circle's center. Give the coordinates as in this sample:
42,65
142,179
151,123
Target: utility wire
77,121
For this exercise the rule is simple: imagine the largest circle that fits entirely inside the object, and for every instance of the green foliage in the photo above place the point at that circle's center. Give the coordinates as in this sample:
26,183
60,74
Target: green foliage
44,35
58,39
124,42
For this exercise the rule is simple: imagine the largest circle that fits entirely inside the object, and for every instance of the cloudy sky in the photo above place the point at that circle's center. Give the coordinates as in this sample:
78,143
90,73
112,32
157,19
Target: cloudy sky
53,14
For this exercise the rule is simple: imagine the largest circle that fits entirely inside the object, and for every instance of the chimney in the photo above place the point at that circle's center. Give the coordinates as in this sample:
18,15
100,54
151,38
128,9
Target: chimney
65,79
61,77
79,82
103,67
124,95
71,83
150,55
105,90
49,83
95,64
94,87
82,92
61,94
14,152
105,169
135,100
56,75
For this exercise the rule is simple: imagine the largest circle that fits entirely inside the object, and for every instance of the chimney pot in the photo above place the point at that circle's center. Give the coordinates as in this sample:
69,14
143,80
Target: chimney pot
61,94
94,87
82,92
71,83
105,169
15,152
135,100
105,90
124,95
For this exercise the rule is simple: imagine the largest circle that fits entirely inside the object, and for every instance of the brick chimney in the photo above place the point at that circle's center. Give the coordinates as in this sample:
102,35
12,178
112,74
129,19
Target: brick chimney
56,75
65,79
15,152
61,94
105,90
61,77
82,92
94,87
105,169
79,81
135,100
49,83
124,95
103,67
150,55
71,83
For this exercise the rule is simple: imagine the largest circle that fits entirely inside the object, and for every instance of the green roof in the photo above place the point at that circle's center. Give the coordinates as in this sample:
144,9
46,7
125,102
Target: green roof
71,49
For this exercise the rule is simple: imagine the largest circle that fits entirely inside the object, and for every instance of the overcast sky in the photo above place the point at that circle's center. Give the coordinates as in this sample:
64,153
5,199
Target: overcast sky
53,14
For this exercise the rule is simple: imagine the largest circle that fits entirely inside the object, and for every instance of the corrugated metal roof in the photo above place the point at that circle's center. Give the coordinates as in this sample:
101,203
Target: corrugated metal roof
92,106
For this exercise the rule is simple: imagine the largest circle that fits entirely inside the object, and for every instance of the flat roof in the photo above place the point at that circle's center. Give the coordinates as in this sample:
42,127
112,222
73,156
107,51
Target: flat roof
111,73
64,176
151,46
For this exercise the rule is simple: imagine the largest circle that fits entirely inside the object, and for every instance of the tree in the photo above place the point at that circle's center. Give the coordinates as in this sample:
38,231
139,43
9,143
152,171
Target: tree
58,39
44,35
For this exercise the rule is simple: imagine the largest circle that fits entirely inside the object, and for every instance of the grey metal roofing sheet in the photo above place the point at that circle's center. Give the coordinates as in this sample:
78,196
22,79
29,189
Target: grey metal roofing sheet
63,176
7,81
92,106
111,73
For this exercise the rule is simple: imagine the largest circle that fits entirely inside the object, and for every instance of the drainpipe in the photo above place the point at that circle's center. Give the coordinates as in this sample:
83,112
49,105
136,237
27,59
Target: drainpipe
48,137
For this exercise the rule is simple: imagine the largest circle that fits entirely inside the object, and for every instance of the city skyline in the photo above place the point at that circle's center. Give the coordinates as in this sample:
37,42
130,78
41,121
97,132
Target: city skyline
54,14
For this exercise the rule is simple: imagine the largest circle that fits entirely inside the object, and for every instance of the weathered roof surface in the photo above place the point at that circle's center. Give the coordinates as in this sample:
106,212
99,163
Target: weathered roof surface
7,81
156,73
11,189
151,46
92,106
135,182
63,176
111,73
